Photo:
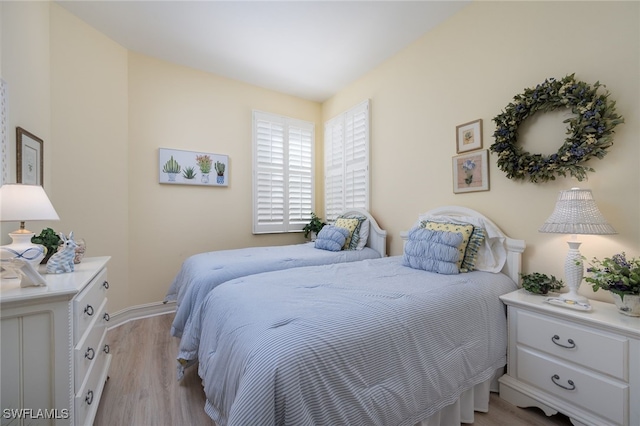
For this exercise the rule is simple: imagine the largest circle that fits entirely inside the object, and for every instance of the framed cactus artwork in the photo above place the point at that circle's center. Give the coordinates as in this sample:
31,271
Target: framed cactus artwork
180,167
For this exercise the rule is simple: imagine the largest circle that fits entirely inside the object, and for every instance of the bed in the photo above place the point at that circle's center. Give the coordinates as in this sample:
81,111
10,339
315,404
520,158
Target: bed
202,272
374,342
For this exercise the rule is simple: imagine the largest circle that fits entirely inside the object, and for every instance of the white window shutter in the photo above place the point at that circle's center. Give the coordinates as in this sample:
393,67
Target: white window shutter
283,191
347,161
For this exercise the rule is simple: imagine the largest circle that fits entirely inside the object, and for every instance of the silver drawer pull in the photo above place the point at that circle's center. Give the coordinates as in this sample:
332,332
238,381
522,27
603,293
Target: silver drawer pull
88,310
571,344
89,398
105,285
90,353
106,349
571,386
106,316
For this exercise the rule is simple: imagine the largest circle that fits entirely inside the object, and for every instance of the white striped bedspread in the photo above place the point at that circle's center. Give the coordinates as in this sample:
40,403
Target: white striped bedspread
363,343
202,272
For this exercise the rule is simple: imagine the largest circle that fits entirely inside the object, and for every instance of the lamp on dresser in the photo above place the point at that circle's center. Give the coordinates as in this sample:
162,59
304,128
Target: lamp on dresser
575,213
21,203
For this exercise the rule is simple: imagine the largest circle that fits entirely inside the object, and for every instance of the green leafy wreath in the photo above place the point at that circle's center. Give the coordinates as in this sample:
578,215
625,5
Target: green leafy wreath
590,131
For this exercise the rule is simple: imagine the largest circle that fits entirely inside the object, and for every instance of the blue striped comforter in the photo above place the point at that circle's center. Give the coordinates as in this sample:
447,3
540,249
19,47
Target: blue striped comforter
364,343
202,272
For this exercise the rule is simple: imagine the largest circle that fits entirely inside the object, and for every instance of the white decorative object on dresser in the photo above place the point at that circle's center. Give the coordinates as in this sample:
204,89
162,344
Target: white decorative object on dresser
54,356
585,365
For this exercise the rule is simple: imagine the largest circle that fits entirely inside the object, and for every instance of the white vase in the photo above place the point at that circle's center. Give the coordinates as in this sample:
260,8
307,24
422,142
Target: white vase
630,305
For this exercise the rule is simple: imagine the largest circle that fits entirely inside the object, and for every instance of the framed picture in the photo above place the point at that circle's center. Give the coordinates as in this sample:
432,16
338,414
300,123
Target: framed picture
29,159
193,168
469,136
471,172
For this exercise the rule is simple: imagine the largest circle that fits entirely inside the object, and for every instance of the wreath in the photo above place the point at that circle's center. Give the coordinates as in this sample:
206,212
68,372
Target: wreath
590,130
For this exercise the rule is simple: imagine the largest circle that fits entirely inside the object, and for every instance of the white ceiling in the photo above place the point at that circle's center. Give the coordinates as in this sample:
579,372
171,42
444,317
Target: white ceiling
309,49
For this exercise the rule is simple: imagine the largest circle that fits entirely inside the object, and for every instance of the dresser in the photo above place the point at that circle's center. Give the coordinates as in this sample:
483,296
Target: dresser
54,353
584,364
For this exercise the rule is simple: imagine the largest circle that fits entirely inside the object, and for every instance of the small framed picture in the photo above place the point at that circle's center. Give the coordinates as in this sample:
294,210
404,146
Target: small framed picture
471,172
29,159
469,136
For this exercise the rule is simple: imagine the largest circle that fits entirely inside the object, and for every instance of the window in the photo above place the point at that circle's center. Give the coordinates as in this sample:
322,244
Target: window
283,173
346,161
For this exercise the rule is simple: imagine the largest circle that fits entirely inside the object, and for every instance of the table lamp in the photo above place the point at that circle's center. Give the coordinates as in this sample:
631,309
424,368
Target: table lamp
20,203
575,213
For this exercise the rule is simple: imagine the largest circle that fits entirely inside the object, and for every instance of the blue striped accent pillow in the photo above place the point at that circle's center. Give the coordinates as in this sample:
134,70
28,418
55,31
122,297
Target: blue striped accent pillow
331,238
433,251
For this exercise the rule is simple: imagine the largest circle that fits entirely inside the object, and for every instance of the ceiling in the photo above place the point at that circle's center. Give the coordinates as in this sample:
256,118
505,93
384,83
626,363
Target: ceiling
308,49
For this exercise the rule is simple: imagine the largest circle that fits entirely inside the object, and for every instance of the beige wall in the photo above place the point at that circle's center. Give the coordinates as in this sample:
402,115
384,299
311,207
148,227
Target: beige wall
176,107
104,112
470,67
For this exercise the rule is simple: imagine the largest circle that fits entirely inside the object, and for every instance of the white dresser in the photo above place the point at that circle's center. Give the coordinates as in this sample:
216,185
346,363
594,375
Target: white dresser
584,364
54,356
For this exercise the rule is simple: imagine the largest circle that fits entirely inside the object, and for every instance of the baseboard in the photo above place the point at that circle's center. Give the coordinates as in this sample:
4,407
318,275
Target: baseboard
140,311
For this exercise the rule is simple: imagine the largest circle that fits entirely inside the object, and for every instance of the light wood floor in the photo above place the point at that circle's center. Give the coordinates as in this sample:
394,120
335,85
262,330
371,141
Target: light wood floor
142,389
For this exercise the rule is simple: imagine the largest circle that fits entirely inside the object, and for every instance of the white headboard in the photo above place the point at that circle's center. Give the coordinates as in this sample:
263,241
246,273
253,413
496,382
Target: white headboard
377,236
513,263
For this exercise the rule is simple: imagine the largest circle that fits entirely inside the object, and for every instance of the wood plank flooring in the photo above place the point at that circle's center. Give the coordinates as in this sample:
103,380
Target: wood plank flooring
143,390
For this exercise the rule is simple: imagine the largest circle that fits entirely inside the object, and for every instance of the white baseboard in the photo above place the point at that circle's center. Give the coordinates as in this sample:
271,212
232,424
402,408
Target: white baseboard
140,311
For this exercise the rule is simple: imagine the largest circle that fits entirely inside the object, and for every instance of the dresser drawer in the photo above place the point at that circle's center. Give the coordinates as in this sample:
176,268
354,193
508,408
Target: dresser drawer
593,392
86,352
86,305
88,397
600,351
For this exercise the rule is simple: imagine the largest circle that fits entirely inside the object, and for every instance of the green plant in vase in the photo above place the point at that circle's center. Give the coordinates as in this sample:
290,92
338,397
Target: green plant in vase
48,238
189,173
540,283
314,226
172,168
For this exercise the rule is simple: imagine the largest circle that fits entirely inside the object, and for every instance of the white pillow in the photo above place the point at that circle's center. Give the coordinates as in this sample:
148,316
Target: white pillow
493,253
364,235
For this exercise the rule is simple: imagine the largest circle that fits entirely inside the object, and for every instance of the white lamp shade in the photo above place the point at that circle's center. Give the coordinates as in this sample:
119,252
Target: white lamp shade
21,203
576,212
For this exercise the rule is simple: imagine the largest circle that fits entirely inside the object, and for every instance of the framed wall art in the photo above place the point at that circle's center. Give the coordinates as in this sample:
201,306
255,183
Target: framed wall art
193,168
471,172
469,136
29,158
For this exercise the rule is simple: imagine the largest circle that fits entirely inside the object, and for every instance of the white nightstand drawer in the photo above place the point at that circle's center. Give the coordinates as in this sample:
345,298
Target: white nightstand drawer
574,343
86,305
88,397
598,394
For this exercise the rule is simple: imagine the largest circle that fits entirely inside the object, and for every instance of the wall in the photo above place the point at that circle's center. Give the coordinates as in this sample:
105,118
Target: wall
470,67
180,108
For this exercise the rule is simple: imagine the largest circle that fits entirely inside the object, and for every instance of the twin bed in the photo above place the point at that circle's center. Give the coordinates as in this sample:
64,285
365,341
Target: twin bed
383,341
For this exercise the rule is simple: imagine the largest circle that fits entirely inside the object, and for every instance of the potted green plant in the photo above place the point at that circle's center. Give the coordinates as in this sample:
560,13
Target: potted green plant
621,277
48,238
313,227
538,283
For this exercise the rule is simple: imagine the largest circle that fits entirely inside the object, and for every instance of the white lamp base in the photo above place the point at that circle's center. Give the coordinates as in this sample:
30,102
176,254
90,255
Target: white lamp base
22,248
573,273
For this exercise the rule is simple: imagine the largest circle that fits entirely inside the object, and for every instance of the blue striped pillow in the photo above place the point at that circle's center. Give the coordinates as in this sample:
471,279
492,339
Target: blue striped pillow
433,251
331,238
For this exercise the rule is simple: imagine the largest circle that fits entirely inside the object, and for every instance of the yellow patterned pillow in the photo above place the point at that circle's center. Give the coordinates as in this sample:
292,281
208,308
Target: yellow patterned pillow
465,230
348,224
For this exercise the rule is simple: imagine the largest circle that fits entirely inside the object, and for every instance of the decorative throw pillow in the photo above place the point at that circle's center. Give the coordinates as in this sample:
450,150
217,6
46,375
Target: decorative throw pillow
331,238
364,234
352,225
433,251
464,230
471,253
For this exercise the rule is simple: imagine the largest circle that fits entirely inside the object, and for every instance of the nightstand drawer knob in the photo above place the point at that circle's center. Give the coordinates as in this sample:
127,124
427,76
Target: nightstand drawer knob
105,285
90,353
571,343
106,316
555,379
106,349
88,310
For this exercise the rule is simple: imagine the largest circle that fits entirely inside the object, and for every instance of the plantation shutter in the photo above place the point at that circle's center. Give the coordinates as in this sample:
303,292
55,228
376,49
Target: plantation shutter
346,147
283,192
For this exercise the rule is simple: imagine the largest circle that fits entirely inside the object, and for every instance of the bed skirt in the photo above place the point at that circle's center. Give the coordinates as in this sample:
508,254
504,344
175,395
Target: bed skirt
472,400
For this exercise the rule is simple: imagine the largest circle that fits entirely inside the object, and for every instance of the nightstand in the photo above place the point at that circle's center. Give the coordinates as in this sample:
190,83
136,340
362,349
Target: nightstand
585,365
54,353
